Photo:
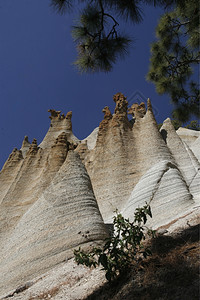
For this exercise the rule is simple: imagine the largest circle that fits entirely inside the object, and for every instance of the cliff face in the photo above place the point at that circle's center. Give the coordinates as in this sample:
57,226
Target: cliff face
123,153
135,155
65,216
58,195
47,205
109,164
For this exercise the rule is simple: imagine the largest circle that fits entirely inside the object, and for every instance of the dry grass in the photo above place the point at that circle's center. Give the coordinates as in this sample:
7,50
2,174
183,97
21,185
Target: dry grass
46,295
55,290
171,273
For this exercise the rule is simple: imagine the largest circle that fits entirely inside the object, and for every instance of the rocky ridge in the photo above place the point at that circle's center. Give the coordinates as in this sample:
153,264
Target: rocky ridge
60,194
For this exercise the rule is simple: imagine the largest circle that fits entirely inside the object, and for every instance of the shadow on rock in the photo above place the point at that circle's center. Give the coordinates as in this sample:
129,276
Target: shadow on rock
172,272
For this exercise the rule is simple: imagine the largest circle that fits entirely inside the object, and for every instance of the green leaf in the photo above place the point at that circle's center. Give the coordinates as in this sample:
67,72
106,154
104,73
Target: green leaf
120,249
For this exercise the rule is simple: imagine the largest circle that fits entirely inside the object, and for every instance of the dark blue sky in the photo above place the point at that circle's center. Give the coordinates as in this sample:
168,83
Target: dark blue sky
36,73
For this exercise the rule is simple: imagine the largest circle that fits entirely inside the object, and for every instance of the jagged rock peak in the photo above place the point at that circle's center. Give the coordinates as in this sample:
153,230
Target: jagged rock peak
120,118
137,110
149,106
107,113
103,126
68,118
169,123
33,147
185,160
61,140
25,146
121,103
34,142
65,216
69,115
56,116
25,142
59,124
166,127
16,155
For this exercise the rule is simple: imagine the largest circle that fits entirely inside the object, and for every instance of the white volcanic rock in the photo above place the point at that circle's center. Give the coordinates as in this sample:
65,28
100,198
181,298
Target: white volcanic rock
31,178
59,124
195,187
148,142
25,146
195,162
171,200
109,163
67,281
187,135
186,163
28,172
165,190
91,139
65,216
9,172
123,153
195,147
47,203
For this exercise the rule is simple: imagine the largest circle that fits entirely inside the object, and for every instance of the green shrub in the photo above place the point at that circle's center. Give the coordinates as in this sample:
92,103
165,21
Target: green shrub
120,249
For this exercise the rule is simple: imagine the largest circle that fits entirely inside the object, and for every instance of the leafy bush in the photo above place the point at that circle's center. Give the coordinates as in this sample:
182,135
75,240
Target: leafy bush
120,249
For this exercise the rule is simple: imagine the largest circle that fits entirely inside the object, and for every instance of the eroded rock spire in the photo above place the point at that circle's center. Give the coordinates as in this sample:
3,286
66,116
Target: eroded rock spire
59,124
121,104
149,106
107,113
25,146
33,147
137,110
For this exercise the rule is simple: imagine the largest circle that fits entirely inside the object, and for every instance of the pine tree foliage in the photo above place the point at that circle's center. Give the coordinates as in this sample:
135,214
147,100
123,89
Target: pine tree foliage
174,57
61,6
97,35
98,43
175,54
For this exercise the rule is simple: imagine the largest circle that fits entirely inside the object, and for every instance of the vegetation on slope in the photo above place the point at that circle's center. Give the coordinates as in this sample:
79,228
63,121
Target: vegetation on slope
122,247
171,273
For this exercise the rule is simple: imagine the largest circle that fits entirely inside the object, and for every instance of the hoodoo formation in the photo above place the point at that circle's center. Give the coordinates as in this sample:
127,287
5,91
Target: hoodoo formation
60,194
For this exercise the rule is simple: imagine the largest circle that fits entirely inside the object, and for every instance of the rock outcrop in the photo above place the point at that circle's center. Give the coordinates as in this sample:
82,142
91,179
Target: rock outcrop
59,194
123,154
187,135
36,171
25,146
165,190
9,171
27,173
64,217
59,123
195,146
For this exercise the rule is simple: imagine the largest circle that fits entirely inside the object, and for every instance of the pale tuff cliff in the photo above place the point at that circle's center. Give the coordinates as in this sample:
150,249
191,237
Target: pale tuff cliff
58,195
133,162
65,216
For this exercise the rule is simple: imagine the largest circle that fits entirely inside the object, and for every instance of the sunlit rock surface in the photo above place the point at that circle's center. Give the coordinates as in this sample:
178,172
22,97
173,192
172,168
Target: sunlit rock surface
59,123
64,217
195,148
185,161
165,190
57,195
187,135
